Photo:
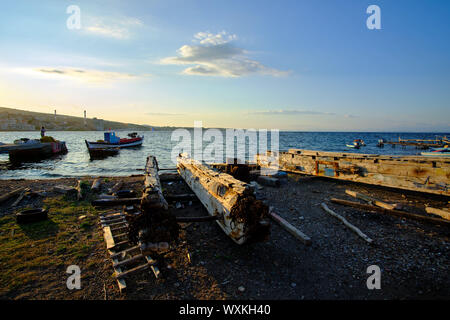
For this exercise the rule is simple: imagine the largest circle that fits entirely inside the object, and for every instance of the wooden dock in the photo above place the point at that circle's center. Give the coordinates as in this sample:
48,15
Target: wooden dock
416,173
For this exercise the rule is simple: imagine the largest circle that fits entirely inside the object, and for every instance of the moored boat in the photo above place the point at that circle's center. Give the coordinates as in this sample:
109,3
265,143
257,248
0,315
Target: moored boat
438,152
35,150
113,141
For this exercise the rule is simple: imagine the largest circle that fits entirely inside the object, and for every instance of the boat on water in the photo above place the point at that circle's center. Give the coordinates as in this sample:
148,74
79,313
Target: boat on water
355,145
112,141
437,152
360,142
101,153
29,150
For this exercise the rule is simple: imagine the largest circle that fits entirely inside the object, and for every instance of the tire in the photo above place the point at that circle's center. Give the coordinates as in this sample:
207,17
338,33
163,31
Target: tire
32,215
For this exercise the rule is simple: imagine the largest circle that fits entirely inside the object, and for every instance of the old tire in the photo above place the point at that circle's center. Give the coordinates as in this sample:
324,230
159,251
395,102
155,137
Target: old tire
32,215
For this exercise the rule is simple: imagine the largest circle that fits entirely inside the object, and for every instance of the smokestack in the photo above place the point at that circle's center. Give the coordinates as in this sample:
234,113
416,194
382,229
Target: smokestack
84,117
55,115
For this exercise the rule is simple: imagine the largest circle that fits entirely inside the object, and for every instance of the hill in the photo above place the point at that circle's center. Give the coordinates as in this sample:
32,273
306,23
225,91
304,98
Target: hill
21,120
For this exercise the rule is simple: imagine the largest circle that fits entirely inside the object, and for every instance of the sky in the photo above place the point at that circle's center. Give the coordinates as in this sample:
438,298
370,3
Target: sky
289,65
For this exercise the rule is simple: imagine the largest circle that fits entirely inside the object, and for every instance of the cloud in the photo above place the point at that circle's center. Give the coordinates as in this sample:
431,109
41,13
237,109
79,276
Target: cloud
118,28
291,112
87,75
216,55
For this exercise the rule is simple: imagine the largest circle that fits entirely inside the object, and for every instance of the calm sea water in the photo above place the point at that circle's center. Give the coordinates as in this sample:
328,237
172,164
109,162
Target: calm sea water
77,163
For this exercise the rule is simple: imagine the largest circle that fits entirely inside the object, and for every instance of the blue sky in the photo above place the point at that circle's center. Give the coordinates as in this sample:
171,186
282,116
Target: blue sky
290,65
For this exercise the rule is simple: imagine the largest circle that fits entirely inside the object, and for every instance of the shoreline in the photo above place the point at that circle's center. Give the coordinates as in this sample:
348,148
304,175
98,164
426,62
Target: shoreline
333,267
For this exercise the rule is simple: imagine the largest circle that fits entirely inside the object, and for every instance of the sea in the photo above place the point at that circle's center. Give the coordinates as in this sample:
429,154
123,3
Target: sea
162,143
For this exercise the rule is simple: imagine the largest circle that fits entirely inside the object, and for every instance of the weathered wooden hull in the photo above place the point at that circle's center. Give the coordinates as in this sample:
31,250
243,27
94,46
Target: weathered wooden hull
36,152
224,196
416,173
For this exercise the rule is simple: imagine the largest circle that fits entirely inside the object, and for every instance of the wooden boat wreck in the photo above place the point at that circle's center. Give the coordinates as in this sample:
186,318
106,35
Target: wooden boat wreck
33,150
232,201
417,173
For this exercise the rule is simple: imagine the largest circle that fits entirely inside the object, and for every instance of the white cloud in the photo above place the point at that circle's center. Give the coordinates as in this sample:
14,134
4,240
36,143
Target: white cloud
85,75
216,55
119,28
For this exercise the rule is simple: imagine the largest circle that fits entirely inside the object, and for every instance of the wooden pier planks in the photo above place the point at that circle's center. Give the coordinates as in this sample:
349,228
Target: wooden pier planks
222,195
118,249
416,173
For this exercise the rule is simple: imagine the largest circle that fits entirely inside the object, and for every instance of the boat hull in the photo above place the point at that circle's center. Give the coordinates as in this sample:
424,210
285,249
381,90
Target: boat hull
105,145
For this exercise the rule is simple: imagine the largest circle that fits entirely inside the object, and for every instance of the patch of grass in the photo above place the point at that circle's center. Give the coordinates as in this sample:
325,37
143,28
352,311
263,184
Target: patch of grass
27,251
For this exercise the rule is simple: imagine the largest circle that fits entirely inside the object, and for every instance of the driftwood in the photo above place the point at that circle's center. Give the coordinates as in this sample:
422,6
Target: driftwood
96,184
242,217
346,223
371,200
396,213
22,194
11,194
443,213
290,228
116,187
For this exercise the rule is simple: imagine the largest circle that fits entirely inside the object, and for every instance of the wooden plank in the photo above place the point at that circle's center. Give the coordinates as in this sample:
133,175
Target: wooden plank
128,261
346,223
417,173
96,184
371,200
396,213
121,282
290,228
129,272
11,194
20,197
108,238
443,213
154,268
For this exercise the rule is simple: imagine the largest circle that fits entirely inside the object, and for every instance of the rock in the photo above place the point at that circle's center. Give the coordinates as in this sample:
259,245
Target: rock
81,217
241,289
293,284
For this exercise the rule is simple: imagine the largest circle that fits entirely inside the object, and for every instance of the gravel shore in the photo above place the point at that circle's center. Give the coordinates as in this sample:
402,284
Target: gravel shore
413,256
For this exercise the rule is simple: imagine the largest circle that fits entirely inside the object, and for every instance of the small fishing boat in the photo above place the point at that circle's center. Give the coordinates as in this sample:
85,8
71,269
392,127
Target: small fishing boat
113,141
438,152
360,142
30,150
355,145
101,153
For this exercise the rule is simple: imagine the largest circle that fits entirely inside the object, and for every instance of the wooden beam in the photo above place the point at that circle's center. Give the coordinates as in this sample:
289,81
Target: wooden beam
443,213
96,184
11,194
396,213
116,187
22,194
371,200
346,223
290,228
108,238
